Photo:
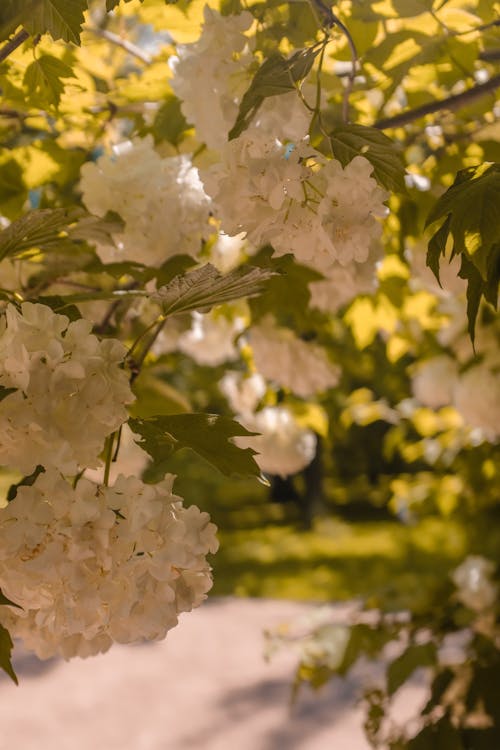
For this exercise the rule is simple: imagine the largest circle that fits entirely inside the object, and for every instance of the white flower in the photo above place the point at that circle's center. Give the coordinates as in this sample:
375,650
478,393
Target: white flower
70,390
212,74
210,340
161,201
281,356
94,565
283,447
475,396
296,200
228,252
433,381
343,283
473,581
243,393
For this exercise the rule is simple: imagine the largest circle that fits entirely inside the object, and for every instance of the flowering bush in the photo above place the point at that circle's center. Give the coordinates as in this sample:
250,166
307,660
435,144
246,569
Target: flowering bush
222,212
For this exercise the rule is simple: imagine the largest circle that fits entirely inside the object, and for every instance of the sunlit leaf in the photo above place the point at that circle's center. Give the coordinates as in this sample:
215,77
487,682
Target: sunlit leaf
205,287
277,75
349,141
62,19
44,77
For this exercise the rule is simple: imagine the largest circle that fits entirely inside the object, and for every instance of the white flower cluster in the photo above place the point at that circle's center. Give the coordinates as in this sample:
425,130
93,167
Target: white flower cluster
210,340
473,580
161,201
284,447
296,200
69,390
94,565
212,74
282,357
469,384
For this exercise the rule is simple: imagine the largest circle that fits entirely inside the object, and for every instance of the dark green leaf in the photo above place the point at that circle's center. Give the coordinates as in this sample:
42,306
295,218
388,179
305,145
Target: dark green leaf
437,248
439,736
24,482
287,293
97,229
349,141
277,75
169,123
207,434
6,601
6,647
44,78
40,228
13,191
415,656
364,640
205,287
4,392
472,205
62,19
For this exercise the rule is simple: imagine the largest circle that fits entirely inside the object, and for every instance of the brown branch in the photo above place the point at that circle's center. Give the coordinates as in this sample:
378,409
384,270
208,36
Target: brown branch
452,102
119,41
13,44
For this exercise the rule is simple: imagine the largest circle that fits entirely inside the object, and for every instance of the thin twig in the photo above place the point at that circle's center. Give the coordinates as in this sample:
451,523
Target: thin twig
13,44
132,49
452,102
330,20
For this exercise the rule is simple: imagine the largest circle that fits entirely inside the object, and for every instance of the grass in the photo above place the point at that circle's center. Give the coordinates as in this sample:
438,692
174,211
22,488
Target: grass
264,553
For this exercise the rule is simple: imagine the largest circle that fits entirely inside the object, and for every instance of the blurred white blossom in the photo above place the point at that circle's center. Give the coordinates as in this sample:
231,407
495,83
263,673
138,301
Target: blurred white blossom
283,447
282,357
161,201
473,580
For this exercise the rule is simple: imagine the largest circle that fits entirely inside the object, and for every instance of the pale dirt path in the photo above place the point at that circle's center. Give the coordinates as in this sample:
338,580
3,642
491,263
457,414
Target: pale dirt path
206,687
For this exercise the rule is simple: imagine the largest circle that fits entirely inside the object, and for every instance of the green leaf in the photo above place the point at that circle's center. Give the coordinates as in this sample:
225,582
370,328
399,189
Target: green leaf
398,671
7,602
478,288
437,248
472,205
27,481
43,77
97,229
6,647
287,293
45,228
439,736
206,434
62,19
4,392
169,123
13,190
277,75
349,141
205,287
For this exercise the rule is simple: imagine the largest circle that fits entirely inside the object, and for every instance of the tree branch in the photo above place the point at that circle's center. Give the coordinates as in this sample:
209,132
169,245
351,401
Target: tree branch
13,44
132,49
452,102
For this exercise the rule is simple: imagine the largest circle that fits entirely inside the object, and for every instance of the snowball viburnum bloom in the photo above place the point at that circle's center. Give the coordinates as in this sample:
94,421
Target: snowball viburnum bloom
210,340
69,390
161,201
283,447
473,581
293,198
92,565
212,74
475,396
433,381
302,367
